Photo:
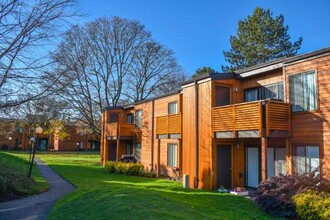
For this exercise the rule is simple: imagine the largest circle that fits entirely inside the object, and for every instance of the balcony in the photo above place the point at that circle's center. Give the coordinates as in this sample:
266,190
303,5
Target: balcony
264,118
121,131
169,126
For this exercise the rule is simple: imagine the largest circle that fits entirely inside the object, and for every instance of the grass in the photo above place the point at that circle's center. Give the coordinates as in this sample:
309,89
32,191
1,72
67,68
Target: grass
100,195
14,182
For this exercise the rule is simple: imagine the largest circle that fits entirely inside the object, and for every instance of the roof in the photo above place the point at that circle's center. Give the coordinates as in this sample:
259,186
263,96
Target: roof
279,63
212,76
131,105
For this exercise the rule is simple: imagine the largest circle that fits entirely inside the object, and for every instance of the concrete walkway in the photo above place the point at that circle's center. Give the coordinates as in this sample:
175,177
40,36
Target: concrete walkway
38,206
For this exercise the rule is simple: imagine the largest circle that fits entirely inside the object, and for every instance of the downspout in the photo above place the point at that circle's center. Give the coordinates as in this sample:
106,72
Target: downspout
196,179
152,135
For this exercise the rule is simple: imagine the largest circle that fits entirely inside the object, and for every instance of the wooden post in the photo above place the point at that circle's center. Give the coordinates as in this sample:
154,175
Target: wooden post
263,158
158,158
288,157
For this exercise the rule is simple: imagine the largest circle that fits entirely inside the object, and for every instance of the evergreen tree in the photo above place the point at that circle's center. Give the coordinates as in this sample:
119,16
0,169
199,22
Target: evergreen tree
202,71
260,38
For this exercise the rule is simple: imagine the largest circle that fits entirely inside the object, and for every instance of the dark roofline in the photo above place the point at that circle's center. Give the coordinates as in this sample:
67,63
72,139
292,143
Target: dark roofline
307,55
285,60
177,91
131,105
213,76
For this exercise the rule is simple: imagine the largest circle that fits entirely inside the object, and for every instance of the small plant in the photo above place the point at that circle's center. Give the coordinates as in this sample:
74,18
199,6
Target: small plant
312,205
275,194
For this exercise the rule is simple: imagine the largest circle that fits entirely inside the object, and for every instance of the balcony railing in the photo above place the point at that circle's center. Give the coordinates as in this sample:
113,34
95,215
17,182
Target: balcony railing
251,119
117,130
169,124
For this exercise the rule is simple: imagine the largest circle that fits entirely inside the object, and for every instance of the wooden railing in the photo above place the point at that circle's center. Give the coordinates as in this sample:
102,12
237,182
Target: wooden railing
169,124
120,129
250,116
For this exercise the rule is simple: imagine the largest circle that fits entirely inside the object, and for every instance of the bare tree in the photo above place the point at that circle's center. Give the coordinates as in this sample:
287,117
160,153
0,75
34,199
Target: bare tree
153,69
27,32
108,62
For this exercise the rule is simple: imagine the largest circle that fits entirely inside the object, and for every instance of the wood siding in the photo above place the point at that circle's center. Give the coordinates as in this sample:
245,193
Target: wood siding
312,127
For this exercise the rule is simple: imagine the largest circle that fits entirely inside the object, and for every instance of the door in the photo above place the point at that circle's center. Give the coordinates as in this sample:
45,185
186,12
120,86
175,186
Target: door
224,166
252,167
112,152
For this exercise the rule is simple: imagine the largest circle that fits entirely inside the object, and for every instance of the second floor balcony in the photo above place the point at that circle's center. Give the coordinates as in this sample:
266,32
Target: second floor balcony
121,131
264,118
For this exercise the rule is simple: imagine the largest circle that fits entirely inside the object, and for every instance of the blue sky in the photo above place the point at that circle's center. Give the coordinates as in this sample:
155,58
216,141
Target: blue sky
198,31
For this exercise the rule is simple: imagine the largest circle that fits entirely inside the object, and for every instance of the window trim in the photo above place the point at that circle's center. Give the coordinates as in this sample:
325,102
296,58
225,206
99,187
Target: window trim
316,89
176,162
177,108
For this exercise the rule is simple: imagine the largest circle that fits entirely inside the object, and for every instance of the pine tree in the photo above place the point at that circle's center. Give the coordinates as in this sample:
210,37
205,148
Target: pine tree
260,38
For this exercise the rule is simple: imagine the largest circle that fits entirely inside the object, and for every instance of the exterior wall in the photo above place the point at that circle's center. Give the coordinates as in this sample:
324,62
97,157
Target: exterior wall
146,135
312,127
262,80
70,144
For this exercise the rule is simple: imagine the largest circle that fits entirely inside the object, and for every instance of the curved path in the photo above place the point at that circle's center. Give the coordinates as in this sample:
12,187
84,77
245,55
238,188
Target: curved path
38,206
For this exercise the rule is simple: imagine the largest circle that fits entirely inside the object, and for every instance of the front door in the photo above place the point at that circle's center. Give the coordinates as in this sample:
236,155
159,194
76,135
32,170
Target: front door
112,151
252,167
224,166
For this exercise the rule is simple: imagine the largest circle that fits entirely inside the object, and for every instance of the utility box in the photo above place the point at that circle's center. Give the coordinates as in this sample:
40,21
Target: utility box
185,181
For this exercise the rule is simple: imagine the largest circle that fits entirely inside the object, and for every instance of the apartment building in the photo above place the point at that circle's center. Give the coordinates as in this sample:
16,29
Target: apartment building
15,136
233,129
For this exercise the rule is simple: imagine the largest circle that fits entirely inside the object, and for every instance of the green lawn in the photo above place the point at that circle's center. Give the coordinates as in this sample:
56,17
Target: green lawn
100,195
14,182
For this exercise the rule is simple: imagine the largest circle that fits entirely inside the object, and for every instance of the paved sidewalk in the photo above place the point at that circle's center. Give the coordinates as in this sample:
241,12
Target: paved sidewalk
38,206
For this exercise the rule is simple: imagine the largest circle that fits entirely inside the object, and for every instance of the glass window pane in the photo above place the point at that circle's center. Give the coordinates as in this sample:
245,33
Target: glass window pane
280,161
130,119
251,95
309,91
173,108
113,117
138,118
299,159
222,95
138,151
296,93
270,92
270,162
313,158
172,155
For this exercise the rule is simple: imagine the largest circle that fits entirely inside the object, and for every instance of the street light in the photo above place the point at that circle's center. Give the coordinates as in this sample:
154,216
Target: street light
10,138
39,131
78,147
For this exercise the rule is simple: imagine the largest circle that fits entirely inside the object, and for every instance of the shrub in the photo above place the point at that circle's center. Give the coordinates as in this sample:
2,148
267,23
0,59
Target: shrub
275,194
132,169
312,205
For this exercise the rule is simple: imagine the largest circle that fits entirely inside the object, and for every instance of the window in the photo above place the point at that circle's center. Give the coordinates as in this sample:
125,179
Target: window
173,108
276,158
172,155
222,96
113,117
130,118
273,91
303,92
129,149
138,118
138,151
306,159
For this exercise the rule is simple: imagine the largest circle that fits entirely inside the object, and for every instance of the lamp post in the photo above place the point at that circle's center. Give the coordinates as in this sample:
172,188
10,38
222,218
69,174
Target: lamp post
32,140
39,131
78,147
10,138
